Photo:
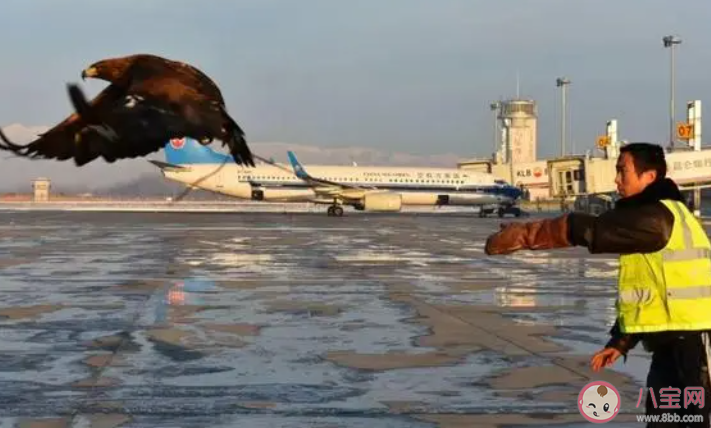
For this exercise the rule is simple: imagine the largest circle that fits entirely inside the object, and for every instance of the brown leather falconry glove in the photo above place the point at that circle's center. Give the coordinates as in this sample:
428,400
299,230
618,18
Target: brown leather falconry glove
534,235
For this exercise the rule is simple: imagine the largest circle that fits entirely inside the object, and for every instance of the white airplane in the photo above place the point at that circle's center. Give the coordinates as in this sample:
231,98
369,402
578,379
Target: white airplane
384,189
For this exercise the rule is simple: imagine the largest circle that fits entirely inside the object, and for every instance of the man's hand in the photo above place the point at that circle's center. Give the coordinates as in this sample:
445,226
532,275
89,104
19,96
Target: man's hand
604,358
511,237
534,235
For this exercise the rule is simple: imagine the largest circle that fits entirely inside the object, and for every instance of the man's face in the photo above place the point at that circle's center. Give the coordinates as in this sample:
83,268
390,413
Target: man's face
627,181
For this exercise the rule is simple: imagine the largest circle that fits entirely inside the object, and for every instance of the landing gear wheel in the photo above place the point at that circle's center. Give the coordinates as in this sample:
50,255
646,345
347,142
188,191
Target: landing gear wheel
501,212
335,211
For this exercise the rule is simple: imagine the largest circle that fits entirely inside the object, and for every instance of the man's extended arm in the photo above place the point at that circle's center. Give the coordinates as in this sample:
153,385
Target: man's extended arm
642,229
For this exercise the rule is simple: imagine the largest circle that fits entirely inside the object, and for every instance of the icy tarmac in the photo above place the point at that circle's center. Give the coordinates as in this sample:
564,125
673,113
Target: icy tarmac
295,320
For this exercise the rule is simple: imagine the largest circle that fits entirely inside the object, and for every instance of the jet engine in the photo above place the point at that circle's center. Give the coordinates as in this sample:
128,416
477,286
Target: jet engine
384,202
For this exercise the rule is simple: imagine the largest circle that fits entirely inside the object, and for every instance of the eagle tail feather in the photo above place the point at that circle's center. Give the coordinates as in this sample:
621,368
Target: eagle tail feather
236,142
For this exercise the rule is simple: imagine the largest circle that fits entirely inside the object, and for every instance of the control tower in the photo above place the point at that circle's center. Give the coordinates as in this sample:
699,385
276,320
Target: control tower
519,119
41,188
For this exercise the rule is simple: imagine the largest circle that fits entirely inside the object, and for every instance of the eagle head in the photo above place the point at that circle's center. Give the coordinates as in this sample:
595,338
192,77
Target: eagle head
110,69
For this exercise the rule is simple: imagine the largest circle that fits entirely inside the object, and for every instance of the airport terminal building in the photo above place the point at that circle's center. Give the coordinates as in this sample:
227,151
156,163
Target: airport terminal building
573,175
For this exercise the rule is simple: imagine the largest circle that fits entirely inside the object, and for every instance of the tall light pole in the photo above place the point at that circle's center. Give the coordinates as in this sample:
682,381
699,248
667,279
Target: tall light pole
669,42
562,83
495,109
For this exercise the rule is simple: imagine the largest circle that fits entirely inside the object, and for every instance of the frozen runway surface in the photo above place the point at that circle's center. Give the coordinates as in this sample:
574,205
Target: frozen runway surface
274,320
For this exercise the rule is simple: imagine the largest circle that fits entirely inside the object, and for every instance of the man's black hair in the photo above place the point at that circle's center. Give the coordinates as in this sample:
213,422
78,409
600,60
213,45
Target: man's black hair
647,156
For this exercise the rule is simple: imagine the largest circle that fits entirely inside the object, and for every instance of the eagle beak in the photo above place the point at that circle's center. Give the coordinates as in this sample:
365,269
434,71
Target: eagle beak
89,72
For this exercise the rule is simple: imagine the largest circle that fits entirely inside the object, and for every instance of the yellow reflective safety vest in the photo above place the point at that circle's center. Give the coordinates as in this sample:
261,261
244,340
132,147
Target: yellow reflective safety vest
671,288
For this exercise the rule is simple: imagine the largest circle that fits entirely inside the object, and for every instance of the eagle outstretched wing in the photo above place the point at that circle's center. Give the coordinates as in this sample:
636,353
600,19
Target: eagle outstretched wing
134,125
71,138
112,126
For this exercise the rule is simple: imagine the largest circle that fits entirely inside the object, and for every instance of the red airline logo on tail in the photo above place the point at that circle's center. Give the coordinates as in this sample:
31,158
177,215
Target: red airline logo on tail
177,143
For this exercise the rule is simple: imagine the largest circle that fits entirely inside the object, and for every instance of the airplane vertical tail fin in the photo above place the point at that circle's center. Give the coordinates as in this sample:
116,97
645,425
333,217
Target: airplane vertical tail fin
181,151
296,165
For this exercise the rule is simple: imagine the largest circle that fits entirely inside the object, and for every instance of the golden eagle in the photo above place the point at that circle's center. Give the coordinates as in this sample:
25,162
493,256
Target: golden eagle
149,101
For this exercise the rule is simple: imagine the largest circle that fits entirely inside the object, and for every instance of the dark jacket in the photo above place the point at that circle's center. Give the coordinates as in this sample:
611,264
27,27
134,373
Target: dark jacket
637,224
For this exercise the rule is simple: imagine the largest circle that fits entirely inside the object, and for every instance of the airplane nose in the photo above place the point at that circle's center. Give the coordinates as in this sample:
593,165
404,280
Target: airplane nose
515,192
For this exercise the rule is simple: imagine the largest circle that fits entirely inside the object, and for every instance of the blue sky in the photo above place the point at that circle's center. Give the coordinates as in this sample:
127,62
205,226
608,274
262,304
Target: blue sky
405,75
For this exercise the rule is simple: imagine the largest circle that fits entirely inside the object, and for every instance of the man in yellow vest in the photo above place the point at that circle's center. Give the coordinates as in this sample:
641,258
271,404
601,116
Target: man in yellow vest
664,282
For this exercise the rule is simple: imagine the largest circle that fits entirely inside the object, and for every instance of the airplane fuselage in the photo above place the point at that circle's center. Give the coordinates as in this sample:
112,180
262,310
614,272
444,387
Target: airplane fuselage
416,186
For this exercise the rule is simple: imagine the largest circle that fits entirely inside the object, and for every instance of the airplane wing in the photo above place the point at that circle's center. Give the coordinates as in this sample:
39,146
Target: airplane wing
301,173
326,187
167,166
